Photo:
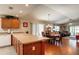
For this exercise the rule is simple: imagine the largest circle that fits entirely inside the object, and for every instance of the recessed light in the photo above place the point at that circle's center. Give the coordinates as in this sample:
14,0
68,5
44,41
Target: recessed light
20,11
70,23
26,5
10,8
17,15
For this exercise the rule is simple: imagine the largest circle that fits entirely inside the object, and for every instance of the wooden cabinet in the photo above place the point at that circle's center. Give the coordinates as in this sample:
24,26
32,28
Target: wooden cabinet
16,44
10,23
6,23
15,23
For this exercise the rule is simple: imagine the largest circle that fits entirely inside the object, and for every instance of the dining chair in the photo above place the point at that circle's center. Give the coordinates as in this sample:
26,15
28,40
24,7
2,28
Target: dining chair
58,41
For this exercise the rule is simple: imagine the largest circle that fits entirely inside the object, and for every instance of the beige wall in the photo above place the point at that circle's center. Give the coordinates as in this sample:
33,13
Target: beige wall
22,29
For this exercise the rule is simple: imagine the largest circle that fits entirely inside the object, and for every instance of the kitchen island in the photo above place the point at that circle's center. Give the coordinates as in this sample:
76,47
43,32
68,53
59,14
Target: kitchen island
27,44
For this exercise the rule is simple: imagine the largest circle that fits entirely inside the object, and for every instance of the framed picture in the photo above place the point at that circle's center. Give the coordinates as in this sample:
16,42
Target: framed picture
25,24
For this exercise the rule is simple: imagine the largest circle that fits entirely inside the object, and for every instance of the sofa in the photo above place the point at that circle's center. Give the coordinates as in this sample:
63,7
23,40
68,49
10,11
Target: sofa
77,36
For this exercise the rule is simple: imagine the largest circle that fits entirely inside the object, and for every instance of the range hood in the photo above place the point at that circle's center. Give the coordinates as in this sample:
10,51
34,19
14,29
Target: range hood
9,17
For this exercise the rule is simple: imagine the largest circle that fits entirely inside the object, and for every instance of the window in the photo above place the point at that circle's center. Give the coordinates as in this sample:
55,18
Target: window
37,29
34,29
56,28
74,30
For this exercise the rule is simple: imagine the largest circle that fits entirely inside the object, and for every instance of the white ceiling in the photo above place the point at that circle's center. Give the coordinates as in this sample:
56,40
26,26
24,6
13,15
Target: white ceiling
4,9
58,13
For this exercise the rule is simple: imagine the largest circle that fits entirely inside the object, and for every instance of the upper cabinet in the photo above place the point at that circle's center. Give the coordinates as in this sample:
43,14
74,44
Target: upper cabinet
15,23
10,23
5,23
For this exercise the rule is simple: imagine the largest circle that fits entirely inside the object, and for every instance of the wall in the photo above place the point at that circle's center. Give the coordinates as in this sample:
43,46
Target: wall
22,29
64,27
41,22
35,20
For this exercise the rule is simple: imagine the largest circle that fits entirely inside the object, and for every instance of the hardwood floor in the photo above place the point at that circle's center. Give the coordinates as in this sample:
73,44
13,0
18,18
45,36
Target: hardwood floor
68,47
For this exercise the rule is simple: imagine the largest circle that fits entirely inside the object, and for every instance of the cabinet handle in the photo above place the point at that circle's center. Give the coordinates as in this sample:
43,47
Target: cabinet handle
33,48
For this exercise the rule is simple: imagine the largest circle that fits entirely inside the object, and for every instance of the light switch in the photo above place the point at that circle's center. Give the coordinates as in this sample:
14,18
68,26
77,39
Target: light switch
33,48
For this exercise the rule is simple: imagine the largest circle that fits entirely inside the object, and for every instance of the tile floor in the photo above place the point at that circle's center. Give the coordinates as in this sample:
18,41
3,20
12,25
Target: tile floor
7,51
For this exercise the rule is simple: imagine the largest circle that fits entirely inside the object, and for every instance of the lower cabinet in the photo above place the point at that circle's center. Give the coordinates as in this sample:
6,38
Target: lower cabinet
5,40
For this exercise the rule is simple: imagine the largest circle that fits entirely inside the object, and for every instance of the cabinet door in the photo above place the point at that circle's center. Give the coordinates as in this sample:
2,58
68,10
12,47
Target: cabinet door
14,42
15,23
32,49
6,23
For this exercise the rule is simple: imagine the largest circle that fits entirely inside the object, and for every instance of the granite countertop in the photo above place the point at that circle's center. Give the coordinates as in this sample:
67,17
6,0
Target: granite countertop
28,38
2,33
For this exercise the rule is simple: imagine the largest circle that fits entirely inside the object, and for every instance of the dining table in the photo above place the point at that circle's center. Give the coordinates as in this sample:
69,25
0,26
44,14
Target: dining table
54,37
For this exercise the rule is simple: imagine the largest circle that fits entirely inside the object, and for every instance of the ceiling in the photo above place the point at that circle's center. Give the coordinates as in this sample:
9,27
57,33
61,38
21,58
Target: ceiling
55,13
17,9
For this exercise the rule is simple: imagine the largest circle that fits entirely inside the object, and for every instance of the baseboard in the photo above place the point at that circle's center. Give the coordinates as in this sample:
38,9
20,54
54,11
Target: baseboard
5,46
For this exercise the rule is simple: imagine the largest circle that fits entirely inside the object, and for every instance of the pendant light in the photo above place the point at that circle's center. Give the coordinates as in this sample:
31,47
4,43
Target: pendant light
48,25
70,21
